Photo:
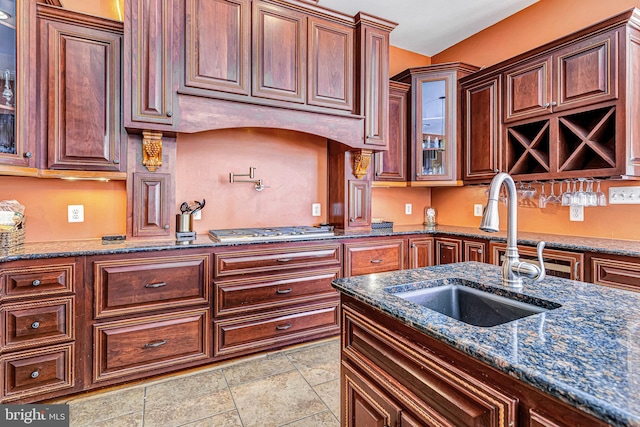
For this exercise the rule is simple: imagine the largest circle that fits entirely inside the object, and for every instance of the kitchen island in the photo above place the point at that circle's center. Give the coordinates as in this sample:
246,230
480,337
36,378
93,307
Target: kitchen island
578,364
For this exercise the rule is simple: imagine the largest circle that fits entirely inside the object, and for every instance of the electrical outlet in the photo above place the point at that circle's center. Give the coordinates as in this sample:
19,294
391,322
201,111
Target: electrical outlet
75,213
315,209
477,209
197,216
407,208
576,213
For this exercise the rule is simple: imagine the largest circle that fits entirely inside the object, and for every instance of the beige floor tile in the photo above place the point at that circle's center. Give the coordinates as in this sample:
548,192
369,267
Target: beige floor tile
329,392
323,419
130,420
87,411
276,400
178,401
271,364
318,364
227,419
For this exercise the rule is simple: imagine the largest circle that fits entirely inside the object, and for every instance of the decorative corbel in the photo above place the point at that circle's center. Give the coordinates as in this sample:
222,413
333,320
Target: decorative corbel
151,150
361,161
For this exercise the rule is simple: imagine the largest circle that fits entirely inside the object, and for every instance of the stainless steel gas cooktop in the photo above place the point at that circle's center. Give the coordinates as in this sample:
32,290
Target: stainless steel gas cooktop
270,233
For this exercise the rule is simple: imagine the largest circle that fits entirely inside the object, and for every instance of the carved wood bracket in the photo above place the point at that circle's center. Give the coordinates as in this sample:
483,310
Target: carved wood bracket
151,150
361,161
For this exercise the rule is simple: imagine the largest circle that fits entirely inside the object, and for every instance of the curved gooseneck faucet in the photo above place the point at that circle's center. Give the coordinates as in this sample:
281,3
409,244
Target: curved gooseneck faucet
512,268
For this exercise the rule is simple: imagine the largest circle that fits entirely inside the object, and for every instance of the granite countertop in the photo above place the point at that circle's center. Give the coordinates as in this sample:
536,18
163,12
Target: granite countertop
586,353
63,248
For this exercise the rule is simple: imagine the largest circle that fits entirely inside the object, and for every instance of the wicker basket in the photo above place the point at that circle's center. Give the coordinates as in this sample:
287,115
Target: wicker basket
14,236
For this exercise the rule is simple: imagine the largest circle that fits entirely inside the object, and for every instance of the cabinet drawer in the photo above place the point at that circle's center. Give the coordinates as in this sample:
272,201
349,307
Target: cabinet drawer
249,334
136,346
275,259
434,388
244,296
374,257
43,322
139,285
37,372
37,280
616,273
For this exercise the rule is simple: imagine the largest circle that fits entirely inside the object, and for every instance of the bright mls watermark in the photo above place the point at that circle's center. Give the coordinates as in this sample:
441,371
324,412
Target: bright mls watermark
34,415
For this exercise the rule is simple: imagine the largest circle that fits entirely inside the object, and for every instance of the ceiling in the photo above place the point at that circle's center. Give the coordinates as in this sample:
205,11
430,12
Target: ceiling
431,26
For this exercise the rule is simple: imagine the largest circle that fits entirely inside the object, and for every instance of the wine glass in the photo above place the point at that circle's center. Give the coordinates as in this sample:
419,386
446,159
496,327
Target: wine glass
579,197
592,198
7,93
542,200
566,196
601,197
552,197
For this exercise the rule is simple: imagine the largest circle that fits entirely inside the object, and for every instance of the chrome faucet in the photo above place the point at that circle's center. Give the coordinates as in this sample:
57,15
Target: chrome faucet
512,268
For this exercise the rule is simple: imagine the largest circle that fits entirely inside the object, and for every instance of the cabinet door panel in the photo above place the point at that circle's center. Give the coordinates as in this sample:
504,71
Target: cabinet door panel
330,64
279,51
374,257
218,45
84,98
150,65
474,251
448,251
359,203
150,205
376,88
528,90
616,273
38,323
391,164
558,263
482,129
420,252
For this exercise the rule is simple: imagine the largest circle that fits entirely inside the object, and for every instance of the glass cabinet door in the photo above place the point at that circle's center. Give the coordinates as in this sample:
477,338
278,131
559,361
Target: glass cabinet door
7,77
435,149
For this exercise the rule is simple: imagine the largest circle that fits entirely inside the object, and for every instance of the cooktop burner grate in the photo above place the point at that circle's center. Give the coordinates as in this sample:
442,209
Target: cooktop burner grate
270,233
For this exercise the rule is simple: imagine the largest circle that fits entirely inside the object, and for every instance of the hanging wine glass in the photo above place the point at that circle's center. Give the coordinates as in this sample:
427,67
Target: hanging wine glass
7,93
542,201
602,198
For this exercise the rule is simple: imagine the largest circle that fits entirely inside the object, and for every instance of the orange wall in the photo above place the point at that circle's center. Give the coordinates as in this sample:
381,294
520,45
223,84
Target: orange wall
400,60
536,25
113,9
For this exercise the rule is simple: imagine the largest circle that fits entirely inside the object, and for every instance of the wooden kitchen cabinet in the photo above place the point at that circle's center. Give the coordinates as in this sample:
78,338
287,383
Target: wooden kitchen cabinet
80,91
374,256
421,252
616,271
391,165
149,64
151,207
392,374
558,263
434,124
452,249
40,302
482,127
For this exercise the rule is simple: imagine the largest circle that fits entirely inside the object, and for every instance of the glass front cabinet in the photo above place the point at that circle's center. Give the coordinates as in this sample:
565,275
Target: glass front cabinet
433,153
16,123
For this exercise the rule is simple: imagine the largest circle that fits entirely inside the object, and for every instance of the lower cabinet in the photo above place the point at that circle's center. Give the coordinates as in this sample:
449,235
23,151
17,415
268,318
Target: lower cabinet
420,252
452,249
616,271
393,375
374,256
558,263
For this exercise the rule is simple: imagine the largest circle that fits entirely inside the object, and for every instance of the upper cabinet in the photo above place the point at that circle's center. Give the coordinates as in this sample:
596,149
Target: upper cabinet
433,124
199,65
17,135
560,111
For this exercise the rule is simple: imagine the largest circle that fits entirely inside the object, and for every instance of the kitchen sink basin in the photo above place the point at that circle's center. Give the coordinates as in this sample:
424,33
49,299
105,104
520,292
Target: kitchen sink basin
471,302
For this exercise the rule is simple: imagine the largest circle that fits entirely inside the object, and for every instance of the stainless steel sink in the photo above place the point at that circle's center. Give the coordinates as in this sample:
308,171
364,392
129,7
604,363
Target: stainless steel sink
473,303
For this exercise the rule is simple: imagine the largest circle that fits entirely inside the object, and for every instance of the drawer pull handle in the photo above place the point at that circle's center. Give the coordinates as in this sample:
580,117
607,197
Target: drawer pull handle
376,261
283,291
284,259
155,285
35,325
35,283
283,327
155,344
35,374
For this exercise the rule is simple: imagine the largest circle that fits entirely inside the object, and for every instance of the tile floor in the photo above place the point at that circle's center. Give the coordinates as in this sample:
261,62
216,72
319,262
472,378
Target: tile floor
294,387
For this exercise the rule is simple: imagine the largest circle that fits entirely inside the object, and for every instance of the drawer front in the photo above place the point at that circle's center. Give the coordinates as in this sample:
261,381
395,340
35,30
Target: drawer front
245,296
616,273
438,389
131,347
31,324
249,334
368,258
37,372
276,259
140,285
37,280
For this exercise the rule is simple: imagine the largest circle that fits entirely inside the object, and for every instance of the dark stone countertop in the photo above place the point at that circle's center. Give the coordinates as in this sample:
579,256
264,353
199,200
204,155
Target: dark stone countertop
63,248
586,353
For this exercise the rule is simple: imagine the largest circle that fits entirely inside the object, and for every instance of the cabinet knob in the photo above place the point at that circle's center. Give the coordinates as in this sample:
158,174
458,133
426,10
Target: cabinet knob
480,251
169,114
116,161
546,105
35,374
413,245
351,219
554,103
35,283
166,226
35,325
28,154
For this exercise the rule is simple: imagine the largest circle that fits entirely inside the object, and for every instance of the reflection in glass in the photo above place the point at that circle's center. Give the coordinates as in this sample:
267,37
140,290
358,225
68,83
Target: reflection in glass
7,76
434,127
